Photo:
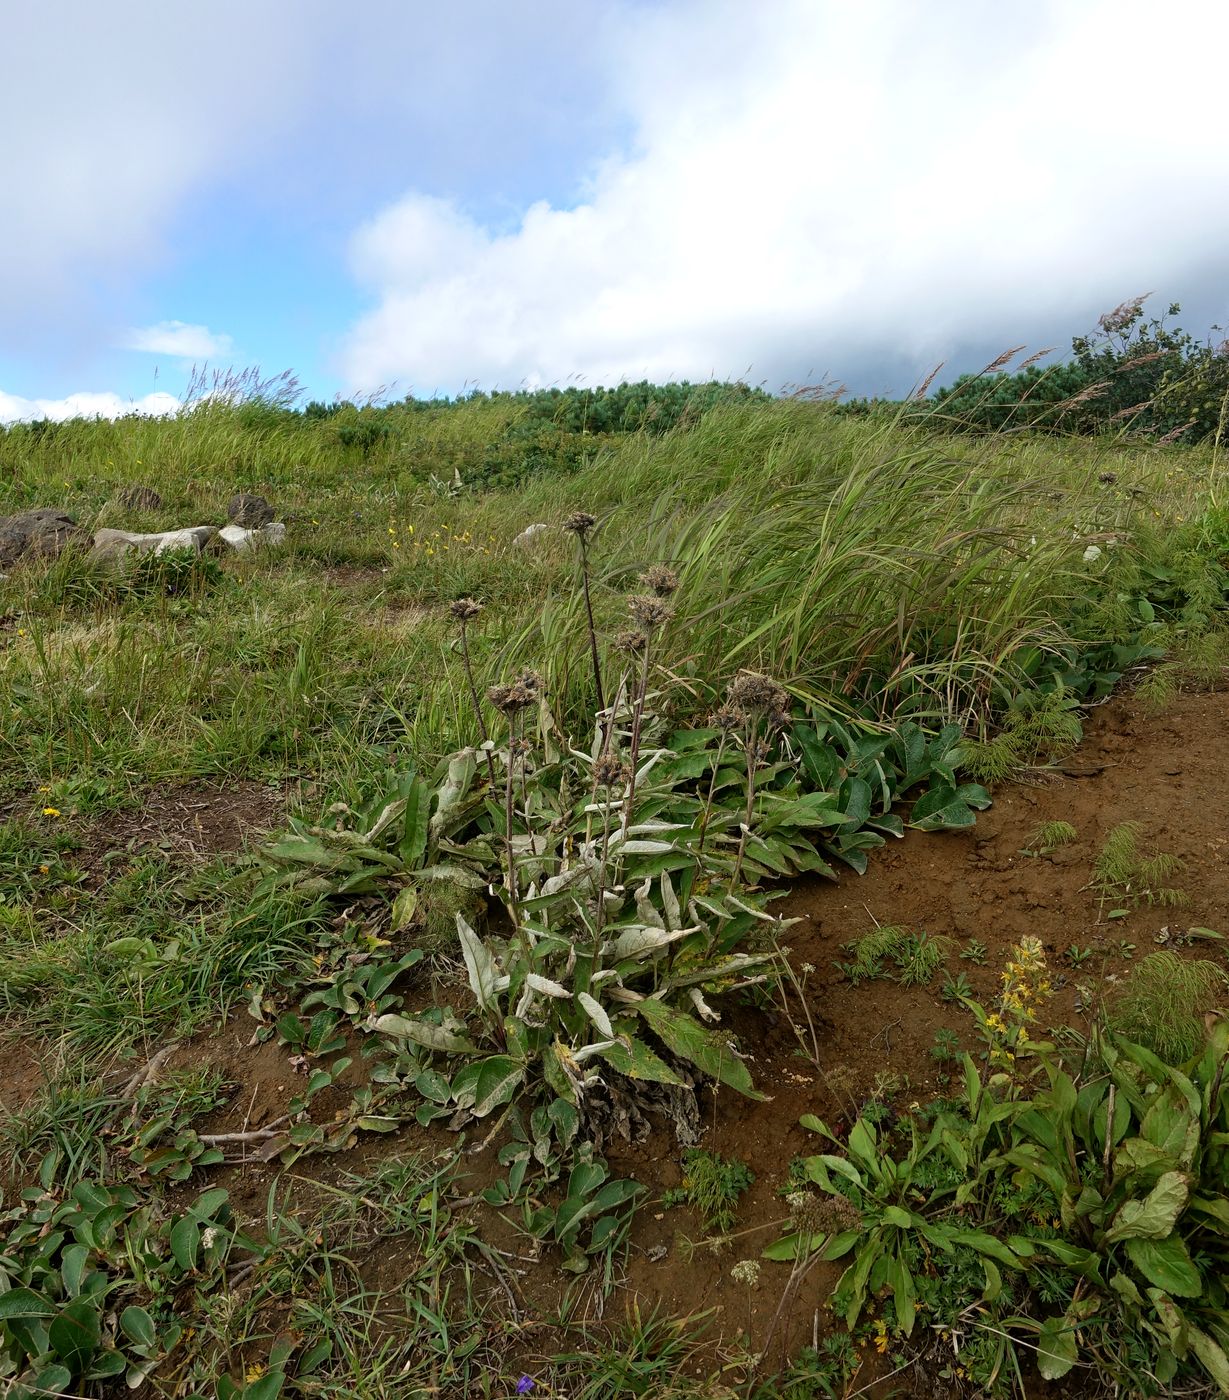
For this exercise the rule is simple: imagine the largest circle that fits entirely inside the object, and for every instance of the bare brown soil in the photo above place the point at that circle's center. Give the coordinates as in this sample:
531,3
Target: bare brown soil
1167,772
191,822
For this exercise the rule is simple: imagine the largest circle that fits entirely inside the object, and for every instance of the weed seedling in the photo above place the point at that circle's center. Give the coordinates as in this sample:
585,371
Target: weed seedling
1162,1002
1049,836
1124,872
946,1049
975,951
955,988
1076,955
711,1185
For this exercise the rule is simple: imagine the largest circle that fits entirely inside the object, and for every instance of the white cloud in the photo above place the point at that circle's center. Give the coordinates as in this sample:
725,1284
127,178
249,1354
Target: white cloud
179,340
814,186
113,116
14,409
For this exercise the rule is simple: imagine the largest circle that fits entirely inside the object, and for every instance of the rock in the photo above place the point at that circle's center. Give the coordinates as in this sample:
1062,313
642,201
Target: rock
40,533
242,540
529,534
249,512
114,544
140,498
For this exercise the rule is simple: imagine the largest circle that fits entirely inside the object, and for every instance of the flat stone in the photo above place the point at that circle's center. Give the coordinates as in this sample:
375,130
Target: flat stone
114,544
241,540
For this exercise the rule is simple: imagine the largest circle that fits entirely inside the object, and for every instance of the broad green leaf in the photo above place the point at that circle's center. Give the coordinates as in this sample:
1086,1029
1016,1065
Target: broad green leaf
138,1327
1057,1352
1154,1217
478,963
686,1037
903,1294
417,825
186,1243
404,908
72,1267
268,1387
1166,1264
487,1084
633,1058
24,1303
424,1033
1214,1360
75,1335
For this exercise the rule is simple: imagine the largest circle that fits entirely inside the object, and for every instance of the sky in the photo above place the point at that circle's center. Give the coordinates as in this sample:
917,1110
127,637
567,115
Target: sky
401,197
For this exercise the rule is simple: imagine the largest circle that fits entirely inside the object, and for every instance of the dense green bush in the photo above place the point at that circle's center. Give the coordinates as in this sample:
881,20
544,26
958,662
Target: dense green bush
1131,372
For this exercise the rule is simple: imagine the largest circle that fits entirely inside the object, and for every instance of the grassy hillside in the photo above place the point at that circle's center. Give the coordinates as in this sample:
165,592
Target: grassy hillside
834,622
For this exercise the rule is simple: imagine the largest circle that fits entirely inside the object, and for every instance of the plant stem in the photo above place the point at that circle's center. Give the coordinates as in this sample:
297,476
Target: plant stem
584,579
752,746
637,717
712,789
513,901
473,695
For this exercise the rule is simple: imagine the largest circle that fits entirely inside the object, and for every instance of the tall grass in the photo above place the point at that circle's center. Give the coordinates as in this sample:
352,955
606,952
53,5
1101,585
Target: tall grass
867,563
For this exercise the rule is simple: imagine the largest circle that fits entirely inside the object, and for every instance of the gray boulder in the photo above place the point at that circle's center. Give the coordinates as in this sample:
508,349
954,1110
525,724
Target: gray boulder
249,512
241,540
115,544
39,534
140,498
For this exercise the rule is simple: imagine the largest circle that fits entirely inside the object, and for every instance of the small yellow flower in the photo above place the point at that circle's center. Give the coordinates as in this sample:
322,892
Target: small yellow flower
51,811
45,869
21,631
881,1337
45,787
254,1372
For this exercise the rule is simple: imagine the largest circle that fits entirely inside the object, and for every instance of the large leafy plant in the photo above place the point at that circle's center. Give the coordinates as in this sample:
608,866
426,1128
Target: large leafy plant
1102,1193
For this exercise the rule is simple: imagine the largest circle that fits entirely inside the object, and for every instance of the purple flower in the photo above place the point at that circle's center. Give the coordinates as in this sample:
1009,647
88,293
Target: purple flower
524,1385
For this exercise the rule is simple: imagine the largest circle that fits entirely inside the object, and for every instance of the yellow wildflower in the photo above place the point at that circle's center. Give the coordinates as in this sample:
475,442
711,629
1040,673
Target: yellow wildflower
51,811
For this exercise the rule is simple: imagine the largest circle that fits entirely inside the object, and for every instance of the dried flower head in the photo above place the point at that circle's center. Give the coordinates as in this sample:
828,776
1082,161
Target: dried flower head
630,641
609,770
660,580
465,610
746,1271
647,612
726,718
579,523
826,1215
510,699
755,694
